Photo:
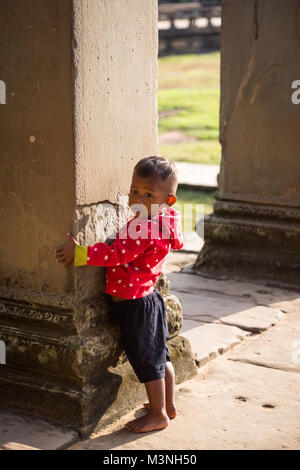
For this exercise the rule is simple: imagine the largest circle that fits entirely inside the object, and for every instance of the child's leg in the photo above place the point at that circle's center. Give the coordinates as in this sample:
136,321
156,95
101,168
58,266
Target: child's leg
169,391
157,417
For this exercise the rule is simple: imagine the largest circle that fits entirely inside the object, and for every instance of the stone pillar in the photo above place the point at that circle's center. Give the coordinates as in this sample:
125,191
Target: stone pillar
81,110
254,230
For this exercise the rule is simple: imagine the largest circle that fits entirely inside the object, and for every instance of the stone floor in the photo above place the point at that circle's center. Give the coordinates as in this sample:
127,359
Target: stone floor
176,261
245,338
243,399
192,243
197,175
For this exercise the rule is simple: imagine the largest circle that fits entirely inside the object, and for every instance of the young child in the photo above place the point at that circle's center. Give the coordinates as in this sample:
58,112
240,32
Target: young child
134,261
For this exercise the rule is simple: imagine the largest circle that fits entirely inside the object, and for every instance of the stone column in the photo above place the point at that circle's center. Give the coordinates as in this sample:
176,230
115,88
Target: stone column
81,110
254,230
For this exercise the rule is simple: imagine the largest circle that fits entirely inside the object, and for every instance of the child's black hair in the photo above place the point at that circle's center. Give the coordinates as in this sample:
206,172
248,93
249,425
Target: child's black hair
156,166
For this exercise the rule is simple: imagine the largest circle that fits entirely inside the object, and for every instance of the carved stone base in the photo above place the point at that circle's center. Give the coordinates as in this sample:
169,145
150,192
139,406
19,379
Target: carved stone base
51,368
74,376
252,241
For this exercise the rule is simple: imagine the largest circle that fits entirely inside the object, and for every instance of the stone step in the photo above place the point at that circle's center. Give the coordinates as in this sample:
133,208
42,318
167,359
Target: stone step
278,348
208,340
215,320
197,175
191,242
22,431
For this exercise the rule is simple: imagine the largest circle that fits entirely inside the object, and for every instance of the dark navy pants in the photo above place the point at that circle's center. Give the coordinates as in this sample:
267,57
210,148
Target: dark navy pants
144,331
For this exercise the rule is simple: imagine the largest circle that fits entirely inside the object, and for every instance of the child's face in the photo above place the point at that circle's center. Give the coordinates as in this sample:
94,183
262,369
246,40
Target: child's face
148,191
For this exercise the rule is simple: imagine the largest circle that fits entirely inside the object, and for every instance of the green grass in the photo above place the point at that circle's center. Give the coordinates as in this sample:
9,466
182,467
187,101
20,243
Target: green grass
204,151
189,85
193,197
199,114
190,71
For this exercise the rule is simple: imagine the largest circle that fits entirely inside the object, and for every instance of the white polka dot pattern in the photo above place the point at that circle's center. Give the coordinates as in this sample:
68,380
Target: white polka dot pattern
121,257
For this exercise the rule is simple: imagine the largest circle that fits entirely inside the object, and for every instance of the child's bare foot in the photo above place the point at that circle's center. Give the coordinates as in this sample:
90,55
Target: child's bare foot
171,410
148,423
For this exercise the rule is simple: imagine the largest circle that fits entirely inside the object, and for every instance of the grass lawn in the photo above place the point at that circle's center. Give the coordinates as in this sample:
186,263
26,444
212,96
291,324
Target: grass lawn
202,151
190,71
198,113
188,101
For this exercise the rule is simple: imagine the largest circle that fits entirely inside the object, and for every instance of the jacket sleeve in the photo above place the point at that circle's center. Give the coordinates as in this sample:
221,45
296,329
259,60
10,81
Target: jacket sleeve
176,234
121,251
177,243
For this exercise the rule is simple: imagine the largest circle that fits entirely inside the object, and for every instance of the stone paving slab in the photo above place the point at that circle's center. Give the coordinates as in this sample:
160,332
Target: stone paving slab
259,292
240,400
20,431
198,175
282,299
227,310
175,261
192,242
226,406
210,340
278,347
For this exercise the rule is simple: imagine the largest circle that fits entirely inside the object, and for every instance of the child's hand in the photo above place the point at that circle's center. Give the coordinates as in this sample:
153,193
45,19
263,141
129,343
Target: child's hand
66,253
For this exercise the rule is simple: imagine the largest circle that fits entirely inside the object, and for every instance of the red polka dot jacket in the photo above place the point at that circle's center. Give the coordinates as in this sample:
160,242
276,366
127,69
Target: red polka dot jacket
135,259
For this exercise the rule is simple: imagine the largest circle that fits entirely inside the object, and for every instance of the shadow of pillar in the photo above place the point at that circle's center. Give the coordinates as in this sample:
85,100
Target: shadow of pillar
127,391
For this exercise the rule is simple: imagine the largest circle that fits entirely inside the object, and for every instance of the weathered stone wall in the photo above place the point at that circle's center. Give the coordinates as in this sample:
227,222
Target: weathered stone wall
259,124
37,148
81,110
254,230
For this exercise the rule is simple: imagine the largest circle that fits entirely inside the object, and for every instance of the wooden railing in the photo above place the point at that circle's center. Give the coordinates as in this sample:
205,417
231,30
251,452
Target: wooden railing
182,23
